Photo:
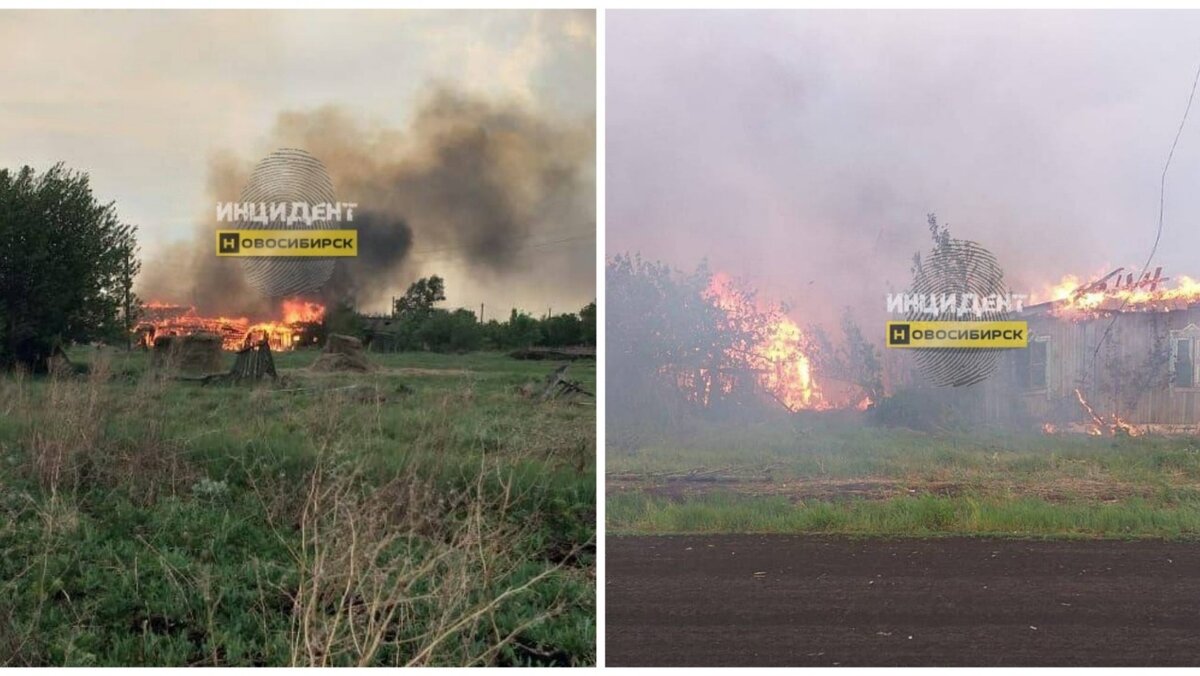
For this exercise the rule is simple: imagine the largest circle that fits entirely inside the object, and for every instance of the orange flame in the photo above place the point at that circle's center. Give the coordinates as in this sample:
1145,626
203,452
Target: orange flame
1100,425
166,319
780,358
1075,298
302,312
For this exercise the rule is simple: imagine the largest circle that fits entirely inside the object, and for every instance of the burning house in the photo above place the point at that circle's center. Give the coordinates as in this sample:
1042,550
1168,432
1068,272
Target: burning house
298,323
1114,354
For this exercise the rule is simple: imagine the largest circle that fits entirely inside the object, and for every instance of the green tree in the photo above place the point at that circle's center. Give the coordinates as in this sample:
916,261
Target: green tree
66,265
131,305
421,297
457,331
495,335
561,330
587,316
522,330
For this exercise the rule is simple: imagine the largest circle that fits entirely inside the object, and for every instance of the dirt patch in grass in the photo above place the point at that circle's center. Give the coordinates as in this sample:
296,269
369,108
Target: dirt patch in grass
381,371
682,487
431,372
1067,489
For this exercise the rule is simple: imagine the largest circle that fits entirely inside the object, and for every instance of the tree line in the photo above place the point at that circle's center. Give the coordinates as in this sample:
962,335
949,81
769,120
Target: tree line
416,323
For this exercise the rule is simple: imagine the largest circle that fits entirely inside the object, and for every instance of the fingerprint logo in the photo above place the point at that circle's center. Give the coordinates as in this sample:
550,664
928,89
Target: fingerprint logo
290,176
958,267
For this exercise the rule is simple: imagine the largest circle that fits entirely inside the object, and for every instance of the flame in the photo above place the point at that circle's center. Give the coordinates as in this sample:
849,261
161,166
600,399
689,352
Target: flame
1061,290
780,358
1100,425
167,319
1075,298
302,312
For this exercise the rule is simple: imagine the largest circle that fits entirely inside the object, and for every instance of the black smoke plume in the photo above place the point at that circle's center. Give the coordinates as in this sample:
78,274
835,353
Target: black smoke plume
467,177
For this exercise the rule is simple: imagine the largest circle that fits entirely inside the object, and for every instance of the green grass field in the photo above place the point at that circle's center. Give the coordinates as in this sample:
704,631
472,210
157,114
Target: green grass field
809,474
425,513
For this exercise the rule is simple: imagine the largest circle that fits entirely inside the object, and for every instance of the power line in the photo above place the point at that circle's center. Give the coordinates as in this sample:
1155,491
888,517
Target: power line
1162,195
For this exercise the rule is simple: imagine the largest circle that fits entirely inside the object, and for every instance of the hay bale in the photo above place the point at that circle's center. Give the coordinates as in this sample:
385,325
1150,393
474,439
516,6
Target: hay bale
339,362
342,353
338,343
194,353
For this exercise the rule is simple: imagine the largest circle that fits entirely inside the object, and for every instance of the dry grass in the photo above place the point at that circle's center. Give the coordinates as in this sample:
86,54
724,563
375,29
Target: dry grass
69,447
371,561
371,558
348,565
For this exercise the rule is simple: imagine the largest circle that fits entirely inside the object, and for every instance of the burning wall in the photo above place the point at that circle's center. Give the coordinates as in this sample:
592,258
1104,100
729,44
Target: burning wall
1143,376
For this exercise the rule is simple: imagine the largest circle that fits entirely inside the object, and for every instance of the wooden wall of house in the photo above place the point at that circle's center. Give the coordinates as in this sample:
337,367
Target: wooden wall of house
1133,338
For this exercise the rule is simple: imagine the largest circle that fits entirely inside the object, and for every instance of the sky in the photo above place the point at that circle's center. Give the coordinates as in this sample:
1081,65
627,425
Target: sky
147,101
802,150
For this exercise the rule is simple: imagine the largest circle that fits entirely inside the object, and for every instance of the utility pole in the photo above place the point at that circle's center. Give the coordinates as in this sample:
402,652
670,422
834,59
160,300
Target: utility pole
481,313
127,288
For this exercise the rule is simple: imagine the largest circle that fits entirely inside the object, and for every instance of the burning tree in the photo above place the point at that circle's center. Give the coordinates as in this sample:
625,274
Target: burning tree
770,350
703,341
856,362
65,265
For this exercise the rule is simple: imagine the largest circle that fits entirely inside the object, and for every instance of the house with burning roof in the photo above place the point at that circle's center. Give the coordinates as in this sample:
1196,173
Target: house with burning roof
1113,354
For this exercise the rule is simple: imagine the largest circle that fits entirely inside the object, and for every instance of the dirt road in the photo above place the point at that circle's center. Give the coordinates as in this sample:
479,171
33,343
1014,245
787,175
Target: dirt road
799,600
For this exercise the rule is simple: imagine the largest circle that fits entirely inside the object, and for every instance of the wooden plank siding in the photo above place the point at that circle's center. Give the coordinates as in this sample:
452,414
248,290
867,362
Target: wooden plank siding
1119,378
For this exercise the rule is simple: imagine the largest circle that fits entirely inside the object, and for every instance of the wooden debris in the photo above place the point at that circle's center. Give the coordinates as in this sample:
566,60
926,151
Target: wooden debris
253,364
556,385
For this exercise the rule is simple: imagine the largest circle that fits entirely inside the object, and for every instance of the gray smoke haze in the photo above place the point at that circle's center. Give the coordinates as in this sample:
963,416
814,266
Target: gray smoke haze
469,180
802,150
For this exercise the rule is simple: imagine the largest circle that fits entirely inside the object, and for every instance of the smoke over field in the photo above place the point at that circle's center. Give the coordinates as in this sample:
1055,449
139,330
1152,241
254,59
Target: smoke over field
468,176
806,158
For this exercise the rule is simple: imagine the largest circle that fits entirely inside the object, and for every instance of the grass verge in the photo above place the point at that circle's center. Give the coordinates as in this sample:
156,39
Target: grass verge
811,474
922,516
